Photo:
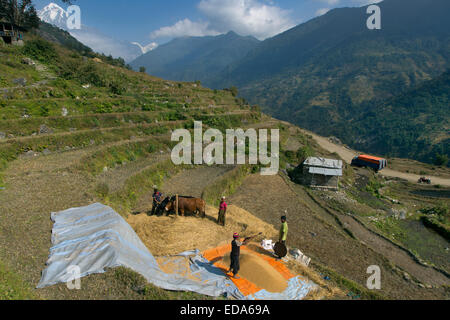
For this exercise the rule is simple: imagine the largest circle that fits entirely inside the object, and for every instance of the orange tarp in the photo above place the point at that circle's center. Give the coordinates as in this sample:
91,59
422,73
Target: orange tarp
245,287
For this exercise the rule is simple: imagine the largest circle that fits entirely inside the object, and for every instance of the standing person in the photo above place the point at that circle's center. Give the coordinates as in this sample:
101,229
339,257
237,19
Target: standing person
222,212
156,200
235,254
283,230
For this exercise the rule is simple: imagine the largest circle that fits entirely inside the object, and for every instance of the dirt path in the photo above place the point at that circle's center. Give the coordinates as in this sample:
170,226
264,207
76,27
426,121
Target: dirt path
348,154
268,198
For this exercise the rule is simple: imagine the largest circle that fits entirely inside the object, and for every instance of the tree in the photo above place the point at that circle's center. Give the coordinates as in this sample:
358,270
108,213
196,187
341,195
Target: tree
441,160
304,152
234,91
21,13
142,69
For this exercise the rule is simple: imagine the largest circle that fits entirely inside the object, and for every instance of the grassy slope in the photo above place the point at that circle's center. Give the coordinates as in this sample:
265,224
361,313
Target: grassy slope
118,123
12,287
121,118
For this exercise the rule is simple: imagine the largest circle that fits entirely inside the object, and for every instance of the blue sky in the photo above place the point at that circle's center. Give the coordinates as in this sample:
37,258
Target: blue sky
147,21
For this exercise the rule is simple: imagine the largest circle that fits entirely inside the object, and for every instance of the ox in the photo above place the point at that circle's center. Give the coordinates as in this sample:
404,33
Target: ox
187,205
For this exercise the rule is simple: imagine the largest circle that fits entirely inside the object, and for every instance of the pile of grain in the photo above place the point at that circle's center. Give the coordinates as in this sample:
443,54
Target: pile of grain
259,271
171,235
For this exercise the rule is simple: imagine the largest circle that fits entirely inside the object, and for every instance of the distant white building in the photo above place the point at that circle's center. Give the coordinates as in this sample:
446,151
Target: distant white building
321,173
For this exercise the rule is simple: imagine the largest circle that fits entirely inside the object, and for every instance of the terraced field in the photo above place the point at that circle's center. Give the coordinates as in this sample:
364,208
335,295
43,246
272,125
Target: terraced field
66,141
81,131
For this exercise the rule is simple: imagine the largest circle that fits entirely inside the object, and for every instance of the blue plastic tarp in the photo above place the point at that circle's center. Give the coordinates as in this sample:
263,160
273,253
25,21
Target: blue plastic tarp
95,237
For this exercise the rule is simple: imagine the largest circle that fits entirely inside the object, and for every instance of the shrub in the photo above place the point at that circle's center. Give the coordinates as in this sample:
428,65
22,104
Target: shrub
44,111
102,189
441,160
373,187
40,50
116,87
304,152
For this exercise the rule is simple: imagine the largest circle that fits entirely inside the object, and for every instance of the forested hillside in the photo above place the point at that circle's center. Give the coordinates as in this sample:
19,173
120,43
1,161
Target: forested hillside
325,74
414,124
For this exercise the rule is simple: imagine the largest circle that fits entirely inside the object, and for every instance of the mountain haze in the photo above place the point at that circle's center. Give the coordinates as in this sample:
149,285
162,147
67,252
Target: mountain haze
195,58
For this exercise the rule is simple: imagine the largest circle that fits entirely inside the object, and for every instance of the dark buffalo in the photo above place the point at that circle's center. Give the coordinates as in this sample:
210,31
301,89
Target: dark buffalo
187,205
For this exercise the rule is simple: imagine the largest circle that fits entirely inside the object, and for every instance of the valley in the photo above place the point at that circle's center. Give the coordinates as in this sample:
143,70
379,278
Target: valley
79,128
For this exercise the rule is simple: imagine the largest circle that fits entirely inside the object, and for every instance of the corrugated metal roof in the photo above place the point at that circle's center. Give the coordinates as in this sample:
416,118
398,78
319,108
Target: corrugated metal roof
326,172
323,163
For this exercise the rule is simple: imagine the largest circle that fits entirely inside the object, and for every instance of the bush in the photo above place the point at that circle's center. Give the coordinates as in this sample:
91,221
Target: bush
102,189
44,111
116,87
234,91
441,211
373,187
303,153
40,50
441,160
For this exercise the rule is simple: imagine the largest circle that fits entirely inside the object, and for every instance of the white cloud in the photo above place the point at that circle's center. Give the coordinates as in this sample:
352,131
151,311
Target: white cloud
183,28
107,45
322,11
330,2
144,49
359,2
247,17
259,18
366,2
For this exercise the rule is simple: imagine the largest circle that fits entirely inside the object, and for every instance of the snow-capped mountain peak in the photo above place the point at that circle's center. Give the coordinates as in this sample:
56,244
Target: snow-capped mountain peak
54,14
96,40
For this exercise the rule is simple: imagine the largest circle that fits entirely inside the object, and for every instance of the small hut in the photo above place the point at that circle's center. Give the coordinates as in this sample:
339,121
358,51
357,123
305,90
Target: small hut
321,173
11,33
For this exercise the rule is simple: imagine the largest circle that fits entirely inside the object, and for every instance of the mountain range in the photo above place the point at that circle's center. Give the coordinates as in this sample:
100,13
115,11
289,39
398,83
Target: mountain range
195,58
380,91
330,74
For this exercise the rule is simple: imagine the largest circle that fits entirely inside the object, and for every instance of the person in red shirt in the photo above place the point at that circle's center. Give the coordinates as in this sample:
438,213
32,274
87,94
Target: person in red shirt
222,212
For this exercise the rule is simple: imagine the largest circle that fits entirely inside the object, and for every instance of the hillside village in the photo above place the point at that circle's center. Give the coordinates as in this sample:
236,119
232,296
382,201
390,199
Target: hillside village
79,128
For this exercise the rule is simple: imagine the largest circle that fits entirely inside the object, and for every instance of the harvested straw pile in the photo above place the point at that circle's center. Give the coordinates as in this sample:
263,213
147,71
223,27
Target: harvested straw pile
172,235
